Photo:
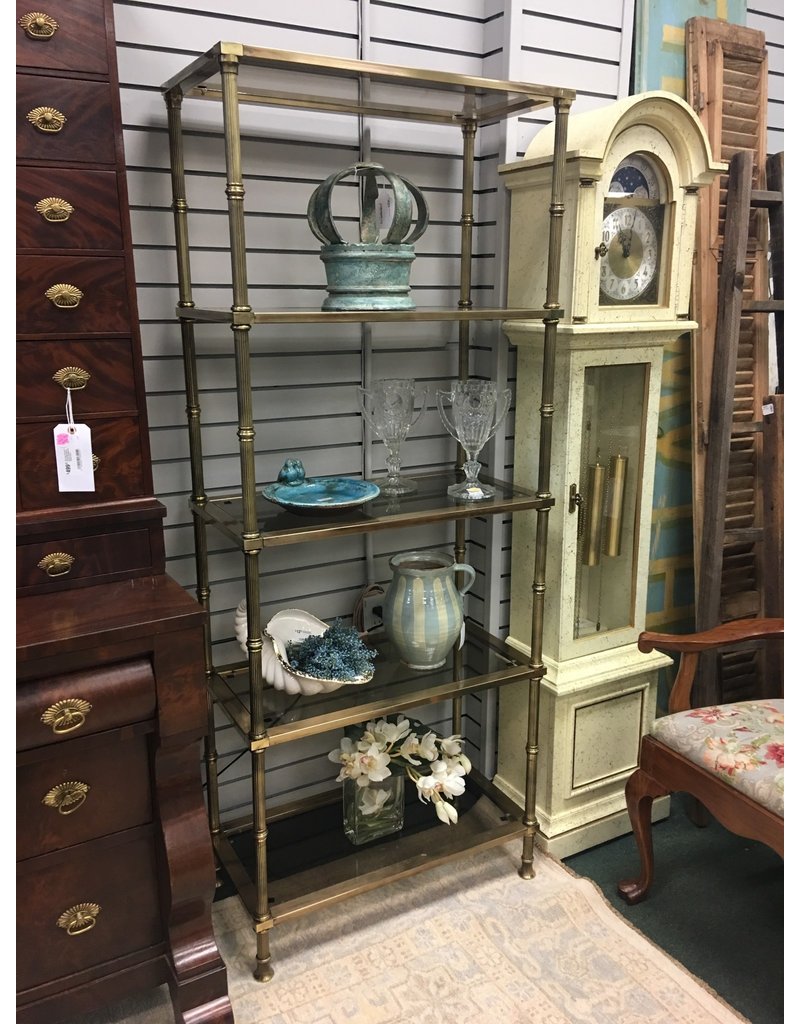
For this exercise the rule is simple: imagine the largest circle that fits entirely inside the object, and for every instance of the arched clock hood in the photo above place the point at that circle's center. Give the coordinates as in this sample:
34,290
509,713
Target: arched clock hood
664,131
592,134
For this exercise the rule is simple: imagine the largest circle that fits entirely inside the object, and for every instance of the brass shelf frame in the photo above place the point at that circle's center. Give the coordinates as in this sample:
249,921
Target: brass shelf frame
394,689
372,316
232,74
492,821
226,513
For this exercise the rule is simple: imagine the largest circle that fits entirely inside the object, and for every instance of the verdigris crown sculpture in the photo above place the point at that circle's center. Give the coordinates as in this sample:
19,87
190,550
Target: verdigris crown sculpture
373,273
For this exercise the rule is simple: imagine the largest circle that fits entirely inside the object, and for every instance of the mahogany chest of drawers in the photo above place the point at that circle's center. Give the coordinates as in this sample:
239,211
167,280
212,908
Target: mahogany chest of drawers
77,320
115,869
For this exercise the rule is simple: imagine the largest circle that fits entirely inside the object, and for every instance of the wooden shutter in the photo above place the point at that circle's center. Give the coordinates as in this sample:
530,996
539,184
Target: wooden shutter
727,87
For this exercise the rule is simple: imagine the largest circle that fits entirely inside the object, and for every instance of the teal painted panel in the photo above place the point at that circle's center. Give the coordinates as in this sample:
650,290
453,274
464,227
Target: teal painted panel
660,53
659,62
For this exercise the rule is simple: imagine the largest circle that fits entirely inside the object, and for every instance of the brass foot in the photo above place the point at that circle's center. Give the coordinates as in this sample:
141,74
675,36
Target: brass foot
526,870
264,970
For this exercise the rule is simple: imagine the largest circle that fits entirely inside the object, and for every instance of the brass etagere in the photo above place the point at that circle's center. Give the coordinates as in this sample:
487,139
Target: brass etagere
231,74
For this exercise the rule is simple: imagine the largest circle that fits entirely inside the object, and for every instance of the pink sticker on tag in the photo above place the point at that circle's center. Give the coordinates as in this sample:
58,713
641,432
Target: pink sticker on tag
62,438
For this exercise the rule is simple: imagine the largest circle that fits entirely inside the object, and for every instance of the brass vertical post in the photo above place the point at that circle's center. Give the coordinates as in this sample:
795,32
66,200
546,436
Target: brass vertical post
234,190
469,129
562,107
180,210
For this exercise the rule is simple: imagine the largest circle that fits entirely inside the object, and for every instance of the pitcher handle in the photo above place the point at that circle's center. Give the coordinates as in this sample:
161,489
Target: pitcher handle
463,567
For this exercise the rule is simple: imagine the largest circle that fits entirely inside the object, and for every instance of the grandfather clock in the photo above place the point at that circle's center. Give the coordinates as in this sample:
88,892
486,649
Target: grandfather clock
633,173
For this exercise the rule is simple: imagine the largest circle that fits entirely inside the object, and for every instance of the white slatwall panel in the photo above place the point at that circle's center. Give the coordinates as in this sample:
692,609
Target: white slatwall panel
305,399
767,17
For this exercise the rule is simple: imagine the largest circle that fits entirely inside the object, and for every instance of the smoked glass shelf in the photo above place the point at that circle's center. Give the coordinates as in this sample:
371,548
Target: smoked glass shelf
429,504
483,662
313,864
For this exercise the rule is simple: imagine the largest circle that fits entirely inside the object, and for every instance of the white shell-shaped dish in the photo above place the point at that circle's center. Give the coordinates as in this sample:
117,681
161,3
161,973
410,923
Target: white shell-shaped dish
289,626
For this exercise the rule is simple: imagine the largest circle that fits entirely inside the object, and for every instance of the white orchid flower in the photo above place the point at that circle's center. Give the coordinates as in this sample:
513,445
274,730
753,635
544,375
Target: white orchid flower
426,787
345,750
372,800
428,748
448,782
373,765
455,765
386,733
451,745
347,757
410,748
437,766
445,812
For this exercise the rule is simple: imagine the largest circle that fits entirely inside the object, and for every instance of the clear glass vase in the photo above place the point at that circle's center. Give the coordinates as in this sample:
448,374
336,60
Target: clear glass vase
373,811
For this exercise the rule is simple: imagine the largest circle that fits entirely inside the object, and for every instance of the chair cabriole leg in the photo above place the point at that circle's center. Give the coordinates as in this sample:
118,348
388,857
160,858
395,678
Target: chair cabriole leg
640,791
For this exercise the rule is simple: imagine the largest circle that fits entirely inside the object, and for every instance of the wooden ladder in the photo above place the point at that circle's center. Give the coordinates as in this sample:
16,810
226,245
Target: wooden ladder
721,535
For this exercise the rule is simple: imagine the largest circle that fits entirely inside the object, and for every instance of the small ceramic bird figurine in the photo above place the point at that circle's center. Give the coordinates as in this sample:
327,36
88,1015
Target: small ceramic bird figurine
292,473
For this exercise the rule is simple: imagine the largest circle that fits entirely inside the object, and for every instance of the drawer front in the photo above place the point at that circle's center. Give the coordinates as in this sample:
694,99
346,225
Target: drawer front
84,907
64,120
70,560
72,295
61,208
119,474
82,793
99,373
76,704
64,37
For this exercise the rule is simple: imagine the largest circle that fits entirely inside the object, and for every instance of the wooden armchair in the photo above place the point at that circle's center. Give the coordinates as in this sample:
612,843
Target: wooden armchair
729,757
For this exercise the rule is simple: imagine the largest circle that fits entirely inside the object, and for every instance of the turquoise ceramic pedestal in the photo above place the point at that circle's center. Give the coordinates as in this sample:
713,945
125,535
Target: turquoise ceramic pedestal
367,275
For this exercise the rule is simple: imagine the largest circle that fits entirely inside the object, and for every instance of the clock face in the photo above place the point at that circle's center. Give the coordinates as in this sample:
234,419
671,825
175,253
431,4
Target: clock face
633,224
635,176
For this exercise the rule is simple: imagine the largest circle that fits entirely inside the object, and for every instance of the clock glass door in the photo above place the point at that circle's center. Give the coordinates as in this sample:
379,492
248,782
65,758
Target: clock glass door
630,250
609,497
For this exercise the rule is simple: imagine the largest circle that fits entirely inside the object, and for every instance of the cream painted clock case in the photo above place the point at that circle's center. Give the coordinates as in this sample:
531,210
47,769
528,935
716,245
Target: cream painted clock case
633,173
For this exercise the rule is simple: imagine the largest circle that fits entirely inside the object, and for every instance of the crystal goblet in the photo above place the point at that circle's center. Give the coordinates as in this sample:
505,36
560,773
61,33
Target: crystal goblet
389,408
476,411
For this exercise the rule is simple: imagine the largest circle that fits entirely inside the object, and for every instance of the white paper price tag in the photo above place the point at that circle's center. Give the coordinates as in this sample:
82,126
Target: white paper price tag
384,207
73,443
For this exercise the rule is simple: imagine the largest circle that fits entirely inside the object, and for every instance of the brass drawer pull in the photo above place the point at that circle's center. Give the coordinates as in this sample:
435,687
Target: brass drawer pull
95,462
47,119
66,797
54,209
58,563
80,918
38,26
67,715
65,296
72,378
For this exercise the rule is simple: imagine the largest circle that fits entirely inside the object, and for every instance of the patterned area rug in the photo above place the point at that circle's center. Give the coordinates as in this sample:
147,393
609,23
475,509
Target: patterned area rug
465,943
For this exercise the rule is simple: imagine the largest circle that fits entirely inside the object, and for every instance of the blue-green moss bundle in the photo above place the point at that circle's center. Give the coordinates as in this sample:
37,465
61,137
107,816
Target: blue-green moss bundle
338,653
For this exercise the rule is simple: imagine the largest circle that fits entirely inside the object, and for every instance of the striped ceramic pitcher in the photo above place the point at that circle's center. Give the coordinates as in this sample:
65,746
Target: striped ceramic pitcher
423,611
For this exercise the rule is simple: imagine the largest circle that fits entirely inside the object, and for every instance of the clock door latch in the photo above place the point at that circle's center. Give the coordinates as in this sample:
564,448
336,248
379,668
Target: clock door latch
577,502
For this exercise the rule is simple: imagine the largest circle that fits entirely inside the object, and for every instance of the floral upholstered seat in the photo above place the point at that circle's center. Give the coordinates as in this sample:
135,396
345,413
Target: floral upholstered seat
728,757
741,743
